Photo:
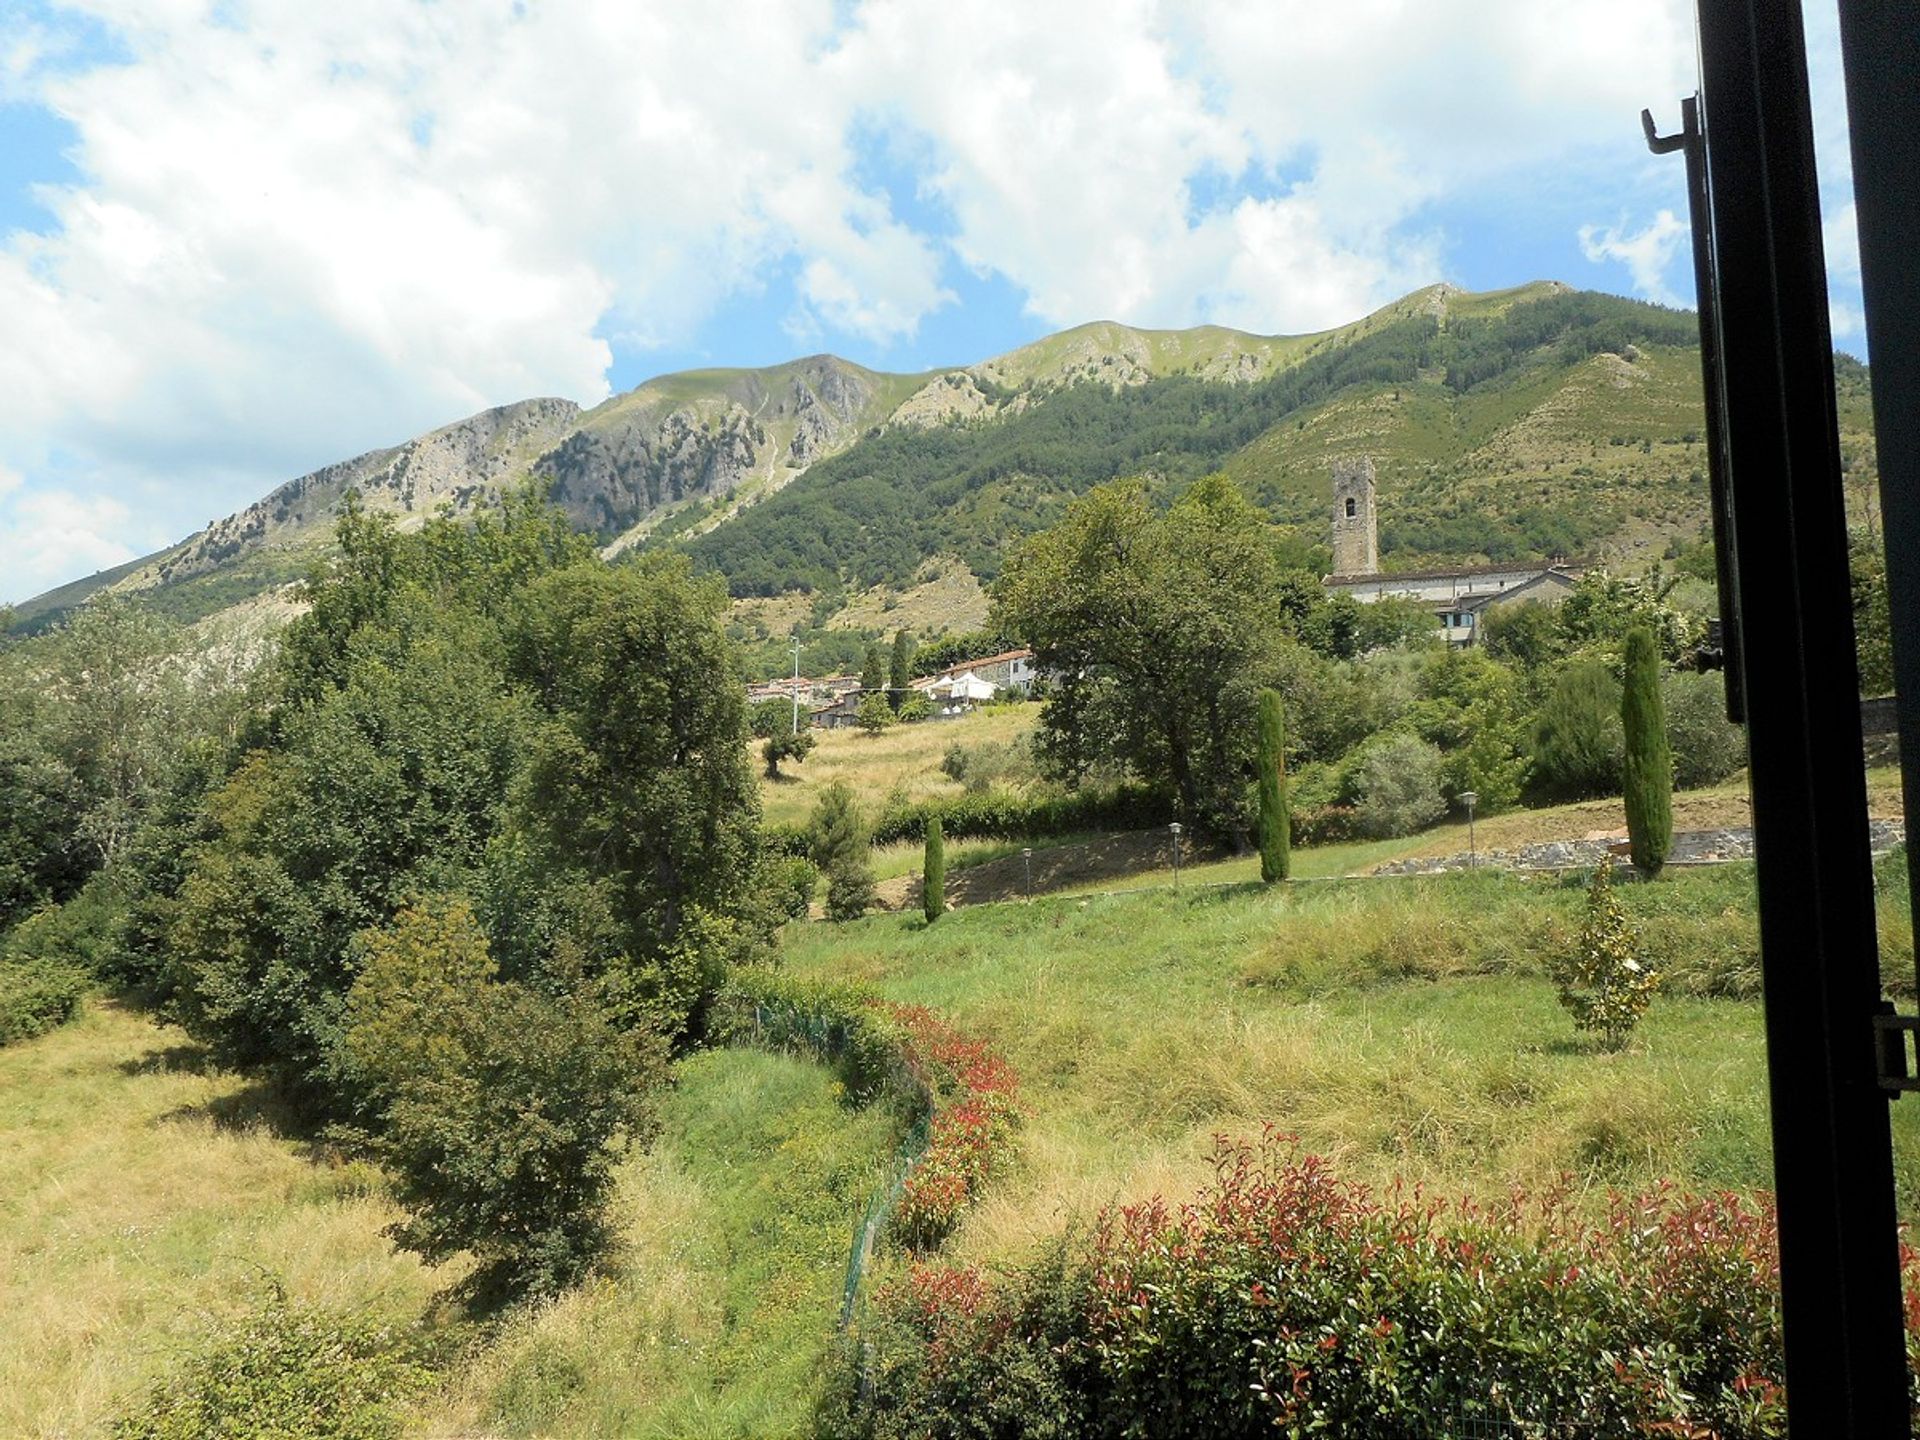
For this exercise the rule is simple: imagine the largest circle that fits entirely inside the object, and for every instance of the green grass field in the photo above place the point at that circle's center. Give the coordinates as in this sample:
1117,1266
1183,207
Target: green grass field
1400,1026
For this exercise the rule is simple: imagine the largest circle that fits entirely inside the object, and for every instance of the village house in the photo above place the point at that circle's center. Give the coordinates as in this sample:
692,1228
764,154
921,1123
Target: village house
1459,598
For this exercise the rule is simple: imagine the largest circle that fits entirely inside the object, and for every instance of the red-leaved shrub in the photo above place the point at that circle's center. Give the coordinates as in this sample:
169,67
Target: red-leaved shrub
976,1108
1286,1300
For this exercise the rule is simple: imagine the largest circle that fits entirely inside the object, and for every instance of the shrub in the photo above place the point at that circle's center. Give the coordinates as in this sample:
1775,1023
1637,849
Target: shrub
500,1111
875,712
957,1087
1707,747
1647,771
980,768
37,996
1276,826
933,874
285,1371
1603,982
1004,815
792,880
83,935
785,745
843,851
976,1109
1283,1300
1577,740
1393,784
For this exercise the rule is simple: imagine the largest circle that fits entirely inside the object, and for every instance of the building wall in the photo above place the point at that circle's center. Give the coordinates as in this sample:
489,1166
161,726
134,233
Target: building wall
1356,531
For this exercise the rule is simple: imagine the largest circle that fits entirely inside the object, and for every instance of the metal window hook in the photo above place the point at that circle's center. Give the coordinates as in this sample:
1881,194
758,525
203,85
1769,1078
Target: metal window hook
1656,142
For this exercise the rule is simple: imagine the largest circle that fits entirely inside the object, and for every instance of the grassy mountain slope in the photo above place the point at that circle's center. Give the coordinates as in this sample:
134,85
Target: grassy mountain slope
1487,416
1506,424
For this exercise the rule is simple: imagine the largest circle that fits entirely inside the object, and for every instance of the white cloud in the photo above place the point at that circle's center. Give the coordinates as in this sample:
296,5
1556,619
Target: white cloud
305,229
50,537
1647,253
1840,238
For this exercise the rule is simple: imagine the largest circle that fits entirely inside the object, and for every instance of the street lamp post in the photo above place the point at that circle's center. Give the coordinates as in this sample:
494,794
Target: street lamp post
1175,827
1467,798
796,684
1026,861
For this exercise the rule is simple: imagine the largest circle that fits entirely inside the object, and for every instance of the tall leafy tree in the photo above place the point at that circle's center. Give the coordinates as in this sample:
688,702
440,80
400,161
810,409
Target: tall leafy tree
501,1110
1276,825
1163,624
1648,768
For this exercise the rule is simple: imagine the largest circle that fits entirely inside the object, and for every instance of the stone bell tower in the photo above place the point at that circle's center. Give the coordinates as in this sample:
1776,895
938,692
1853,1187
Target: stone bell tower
1356,535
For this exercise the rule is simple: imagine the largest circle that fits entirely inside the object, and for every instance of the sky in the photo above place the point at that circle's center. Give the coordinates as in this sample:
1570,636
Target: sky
243,239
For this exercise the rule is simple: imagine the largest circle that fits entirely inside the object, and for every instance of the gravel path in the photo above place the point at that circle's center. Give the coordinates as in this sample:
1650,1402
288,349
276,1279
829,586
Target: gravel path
1690,847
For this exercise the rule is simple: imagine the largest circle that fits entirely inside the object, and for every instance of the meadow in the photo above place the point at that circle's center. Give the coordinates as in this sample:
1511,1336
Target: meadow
1403,1027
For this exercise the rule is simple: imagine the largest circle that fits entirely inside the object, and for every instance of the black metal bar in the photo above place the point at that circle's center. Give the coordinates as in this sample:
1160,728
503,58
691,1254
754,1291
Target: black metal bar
1880,42
1726,562
1832,1141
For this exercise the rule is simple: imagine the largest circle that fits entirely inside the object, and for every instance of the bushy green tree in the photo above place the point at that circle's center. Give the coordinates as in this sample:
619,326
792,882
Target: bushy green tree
1872,619
837,838
1276,824
785,745
500,1110
1707,747
1647,770
639,815
1393,784
1577,741
1527,634
771,717
1604,981
488,709
1162,624
1602,607
933,873
1470,707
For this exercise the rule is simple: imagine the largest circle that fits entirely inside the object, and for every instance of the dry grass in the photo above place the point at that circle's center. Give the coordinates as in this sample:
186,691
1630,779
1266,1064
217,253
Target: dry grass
720,1314
142,1199
944,598
905,759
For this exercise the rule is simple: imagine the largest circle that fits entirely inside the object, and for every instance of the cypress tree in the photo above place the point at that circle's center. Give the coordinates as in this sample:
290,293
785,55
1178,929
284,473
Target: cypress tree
1649,760
933,875
900,670
1276,825
873,673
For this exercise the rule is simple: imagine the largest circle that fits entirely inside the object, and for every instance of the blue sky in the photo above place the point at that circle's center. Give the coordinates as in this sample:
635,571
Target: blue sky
241,239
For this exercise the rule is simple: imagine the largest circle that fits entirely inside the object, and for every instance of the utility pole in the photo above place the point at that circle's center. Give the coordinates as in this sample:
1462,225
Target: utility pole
796,684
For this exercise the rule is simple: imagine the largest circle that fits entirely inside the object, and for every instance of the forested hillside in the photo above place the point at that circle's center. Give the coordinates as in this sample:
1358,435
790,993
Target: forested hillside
1438,396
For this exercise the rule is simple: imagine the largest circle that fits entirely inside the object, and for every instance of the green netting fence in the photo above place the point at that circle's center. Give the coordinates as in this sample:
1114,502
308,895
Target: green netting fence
835,1025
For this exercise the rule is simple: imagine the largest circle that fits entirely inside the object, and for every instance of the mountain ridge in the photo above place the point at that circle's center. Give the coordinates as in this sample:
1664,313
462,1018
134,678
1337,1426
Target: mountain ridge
710,457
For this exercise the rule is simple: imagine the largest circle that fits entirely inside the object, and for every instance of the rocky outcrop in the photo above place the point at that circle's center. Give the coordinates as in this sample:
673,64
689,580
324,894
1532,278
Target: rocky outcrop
458,465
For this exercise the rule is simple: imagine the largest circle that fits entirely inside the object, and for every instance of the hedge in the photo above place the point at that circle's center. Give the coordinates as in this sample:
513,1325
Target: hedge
1007,815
